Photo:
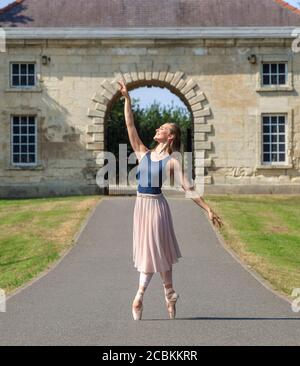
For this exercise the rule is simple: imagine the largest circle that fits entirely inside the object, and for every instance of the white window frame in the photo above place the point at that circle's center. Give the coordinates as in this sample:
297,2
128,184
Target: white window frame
277,73
12,144
22,63
27,59
288,163
285,138
284,58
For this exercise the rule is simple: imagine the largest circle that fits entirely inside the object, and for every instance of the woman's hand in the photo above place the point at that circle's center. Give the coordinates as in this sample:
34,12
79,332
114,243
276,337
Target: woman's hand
123,89
216,220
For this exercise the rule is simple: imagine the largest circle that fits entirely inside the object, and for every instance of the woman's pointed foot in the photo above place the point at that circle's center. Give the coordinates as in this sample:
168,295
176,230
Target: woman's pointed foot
137,306
171,299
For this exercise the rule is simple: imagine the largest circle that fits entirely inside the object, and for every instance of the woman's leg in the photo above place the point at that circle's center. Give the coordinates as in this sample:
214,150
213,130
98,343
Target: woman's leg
167,278
144,281
170,295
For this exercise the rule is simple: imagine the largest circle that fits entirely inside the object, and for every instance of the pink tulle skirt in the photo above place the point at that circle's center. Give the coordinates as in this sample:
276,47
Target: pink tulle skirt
155,247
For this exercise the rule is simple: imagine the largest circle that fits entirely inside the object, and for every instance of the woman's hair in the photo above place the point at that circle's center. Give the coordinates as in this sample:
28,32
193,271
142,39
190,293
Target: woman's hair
175,143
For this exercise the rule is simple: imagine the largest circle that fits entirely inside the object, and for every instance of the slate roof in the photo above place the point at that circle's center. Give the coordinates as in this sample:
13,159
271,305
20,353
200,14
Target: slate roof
149,13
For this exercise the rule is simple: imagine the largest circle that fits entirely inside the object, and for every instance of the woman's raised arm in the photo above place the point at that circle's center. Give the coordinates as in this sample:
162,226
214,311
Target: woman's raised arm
135,141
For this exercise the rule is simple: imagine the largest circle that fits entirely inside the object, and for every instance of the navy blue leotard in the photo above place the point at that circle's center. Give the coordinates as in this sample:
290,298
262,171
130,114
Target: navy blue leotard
151,174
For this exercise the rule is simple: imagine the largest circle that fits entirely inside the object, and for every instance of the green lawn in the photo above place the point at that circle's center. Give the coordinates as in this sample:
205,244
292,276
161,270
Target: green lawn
264,230
36,232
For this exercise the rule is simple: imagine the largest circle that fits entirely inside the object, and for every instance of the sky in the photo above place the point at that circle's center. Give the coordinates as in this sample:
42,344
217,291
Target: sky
294,3
163,96
5,2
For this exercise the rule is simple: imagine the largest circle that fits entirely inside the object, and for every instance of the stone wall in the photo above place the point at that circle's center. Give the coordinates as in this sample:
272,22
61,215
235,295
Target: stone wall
212,77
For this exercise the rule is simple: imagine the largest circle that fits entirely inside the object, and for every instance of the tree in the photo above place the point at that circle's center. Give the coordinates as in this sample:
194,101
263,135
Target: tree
146,120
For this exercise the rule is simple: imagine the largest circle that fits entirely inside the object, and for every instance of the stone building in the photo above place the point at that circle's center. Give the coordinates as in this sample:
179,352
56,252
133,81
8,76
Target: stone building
234,63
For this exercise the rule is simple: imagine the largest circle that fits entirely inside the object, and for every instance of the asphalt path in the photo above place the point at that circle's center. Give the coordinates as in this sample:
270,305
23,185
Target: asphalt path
86,298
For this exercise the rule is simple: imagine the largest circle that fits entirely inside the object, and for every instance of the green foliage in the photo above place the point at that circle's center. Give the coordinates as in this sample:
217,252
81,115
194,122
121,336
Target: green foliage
146,121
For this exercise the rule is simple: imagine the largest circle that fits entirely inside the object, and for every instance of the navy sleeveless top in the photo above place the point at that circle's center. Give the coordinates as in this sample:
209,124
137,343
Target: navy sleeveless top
151,174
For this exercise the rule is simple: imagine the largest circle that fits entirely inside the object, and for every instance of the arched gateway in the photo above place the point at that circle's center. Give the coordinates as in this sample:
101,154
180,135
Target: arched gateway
185,87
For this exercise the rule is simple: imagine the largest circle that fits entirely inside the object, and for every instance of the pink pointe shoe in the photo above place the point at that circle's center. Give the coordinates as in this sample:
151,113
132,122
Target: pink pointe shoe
137,314
171,299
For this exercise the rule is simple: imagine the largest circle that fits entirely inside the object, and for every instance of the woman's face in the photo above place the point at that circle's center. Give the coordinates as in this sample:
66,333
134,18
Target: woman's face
162,133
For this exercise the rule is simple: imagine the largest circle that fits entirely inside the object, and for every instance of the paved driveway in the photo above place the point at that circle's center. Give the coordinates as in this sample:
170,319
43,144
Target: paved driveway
86,299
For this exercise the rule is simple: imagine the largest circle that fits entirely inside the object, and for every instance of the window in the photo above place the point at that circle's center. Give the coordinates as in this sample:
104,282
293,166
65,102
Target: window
274,73
274,139
23,140
23,74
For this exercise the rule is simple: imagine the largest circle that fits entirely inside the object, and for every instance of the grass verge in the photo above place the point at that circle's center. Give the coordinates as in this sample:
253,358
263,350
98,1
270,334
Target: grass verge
34,233
264,231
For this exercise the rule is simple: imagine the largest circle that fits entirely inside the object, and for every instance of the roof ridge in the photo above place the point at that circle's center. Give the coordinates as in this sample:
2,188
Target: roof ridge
10,6
288,6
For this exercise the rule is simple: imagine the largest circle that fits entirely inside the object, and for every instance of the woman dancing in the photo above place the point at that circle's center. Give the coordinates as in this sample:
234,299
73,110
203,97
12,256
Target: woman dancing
155,247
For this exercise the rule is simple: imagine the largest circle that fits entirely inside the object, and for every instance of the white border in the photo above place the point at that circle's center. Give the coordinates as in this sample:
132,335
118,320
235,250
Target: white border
150,32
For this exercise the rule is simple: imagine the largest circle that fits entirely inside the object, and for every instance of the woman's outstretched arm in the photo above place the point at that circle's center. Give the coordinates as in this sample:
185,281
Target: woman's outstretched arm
135,141
180,177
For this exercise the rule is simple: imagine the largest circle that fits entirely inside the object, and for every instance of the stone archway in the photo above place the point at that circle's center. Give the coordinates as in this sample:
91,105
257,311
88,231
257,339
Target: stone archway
185,87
